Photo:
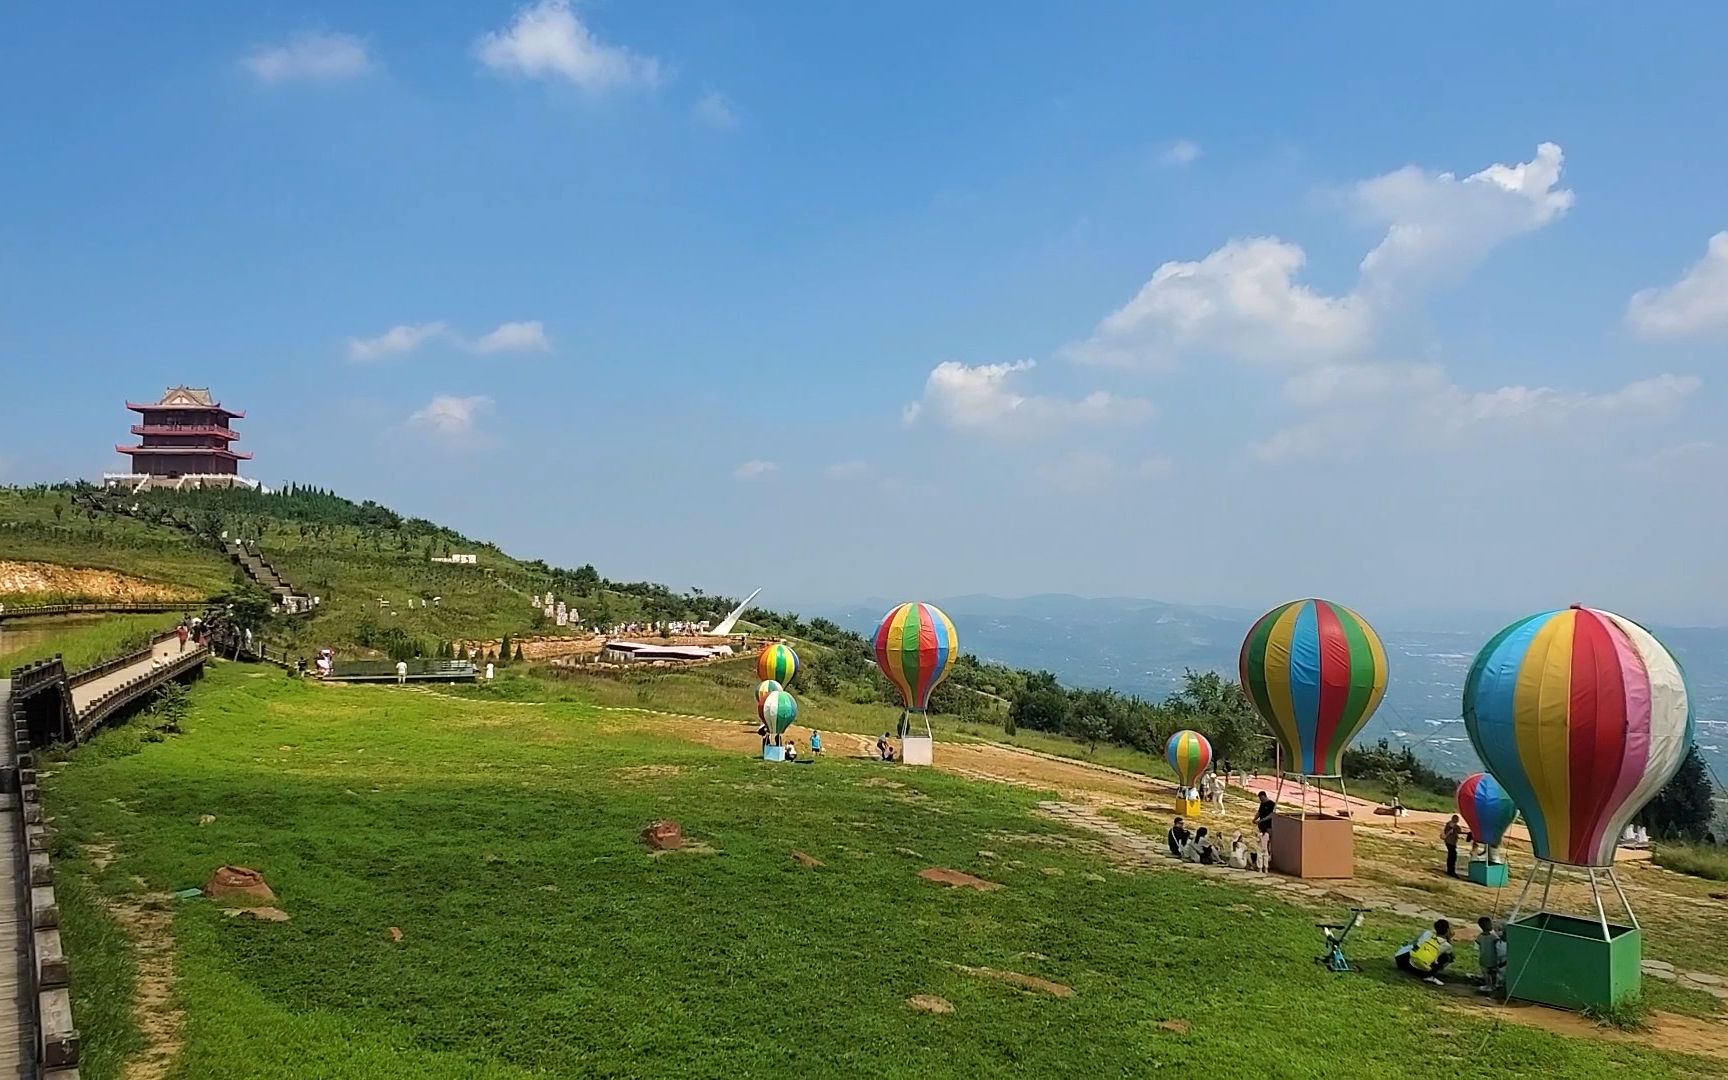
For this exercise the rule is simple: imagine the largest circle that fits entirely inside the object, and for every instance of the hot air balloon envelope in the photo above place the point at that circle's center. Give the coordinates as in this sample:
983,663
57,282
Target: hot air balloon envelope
764,688
777,663
1316,671
1188,753
915,644
778,710
1582,716
1485,808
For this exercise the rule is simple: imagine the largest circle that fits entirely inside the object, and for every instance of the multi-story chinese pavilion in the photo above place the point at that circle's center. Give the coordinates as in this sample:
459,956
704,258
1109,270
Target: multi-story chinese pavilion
185,441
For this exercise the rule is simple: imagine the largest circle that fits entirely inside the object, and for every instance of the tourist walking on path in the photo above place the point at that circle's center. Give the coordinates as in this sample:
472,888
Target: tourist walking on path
1449,835
182,633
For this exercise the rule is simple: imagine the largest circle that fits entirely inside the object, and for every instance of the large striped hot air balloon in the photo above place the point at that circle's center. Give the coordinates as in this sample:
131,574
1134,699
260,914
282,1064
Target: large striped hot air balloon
1188,753
777,663
914,646
1485,808
764,688
778,710
1316,671
1582,716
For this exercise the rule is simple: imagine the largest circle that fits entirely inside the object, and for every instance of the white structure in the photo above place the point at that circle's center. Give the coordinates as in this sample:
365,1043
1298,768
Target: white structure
726,624
457,559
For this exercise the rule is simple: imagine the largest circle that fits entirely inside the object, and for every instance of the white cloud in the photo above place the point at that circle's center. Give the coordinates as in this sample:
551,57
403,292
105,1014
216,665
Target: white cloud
452,419
847,470
1182,152
715,111
1438,226
1241,300
547,41
1696,304
755,470
514,337
309,57
1244,300
1418,403
1156,465
983,400
400,339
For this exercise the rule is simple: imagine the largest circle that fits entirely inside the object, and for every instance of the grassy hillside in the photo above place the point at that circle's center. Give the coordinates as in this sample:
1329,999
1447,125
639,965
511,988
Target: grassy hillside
539,938
43,525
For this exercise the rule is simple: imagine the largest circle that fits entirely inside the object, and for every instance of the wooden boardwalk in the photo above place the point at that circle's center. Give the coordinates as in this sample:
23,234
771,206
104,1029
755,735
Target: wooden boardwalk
85,694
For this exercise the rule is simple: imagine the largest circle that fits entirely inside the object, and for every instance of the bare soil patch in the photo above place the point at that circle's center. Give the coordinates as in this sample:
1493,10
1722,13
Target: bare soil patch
149,922
941,875
26,578
1015,978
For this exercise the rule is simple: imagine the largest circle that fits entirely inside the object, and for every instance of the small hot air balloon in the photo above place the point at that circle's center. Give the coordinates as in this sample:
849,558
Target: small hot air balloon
1485,808
764,688
777,663
1316,671
914,646
778,711
1582,716
1188,753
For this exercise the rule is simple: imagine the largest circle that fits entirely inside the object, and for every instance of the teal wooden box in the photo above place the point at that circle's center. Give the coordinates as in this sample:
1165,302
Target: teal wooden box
1562,961
1491,874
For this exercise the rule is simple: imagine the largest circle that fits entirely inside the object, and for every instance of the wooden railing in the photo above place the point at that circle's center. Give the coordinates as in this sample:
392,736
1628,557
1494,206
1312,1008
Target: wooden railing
56,1043
140,607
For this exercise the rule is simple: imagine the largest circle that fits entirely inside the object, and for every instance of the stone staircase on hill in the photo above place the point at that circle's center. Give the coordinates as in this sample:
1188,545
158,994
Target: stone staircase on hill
267,577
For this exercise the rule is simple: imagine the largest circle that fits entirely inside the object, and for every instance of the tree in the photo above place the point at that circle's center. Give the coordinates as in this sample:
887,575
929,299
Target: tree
1089,728
1042,706
1683,807
504,650
517,659
1219,709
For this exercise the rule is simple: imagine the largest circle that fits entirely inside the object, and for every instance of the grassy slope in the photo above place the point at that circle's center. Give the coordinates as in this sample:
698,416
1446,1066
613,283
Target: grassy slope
29,530
540,939
81,643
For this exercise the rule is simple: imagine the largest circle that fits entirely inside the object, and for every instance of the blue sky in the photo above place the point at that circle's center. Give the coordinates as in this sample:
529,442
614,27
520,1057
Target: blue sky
882,300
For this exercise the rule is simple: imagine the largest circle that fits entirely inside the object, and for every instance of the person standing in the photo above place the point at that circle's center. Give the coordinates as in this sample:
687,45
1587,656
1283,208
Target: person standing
401,672
182,633
1449,834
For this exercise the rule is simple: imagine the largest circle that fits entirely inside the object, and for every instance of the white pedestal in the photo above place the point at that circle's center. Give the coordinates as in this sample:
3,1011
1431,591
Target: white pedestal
918,750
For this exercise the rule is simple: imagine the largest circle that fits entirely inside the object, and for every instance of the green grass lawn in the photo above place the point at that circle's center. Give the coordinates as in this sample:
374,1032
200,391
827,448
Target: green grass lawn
1709,861
80,642
540,939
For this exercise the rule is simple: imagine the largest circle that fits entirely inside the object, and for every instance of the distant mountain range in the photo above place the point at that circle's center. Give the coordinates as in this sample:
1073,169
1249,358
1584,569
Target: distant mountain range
1142,647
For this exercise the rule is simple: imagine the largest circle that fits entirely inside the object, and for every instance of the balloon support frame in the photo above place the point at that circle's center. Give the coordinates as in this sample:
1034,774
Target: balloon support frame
1572,962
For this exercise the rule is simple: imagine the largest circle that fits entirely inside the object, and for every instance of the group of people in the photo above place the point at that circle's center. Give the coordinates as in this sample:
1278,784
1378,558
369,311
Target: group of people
1197,846
769,738
1429,953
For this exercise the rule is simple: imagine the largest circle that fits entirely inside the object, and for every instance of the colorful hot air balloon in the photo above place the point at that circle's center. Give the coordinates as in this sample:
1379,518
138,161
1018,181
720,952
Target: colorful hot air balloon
1486,808
764,688
1188,753
914,646
778,710
1582,716
777,663
1316,671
